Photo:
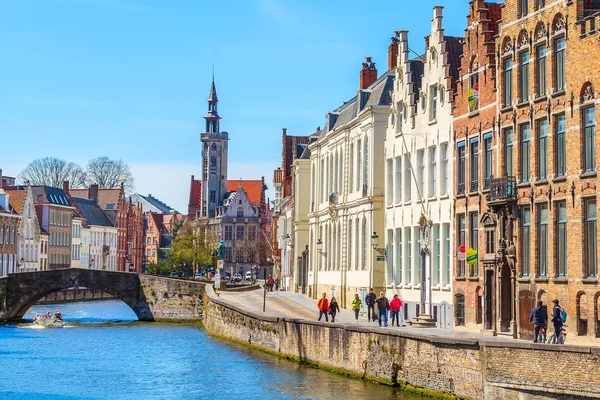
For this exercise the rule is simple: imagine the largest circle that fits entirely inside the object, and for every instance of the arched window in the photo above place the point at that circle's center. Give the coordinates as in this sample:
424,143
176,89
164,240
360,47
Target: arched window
350,238
351,168
359,163
582,314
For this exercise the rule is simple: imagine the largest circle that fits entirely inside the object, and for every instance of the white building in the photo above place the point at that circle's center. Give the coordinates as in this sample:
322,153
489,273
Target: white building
418,200
29,236
101,252
347,192
76,244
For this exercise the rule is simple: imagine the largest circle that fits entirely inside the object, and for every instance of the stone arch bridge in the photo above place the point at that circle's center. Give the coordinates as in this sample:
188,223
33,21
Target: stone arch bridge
151,297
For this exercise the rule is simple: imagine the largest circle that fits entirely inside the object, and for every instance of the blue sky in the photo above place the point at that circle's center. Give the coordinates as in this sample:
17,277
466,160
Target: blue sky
129,79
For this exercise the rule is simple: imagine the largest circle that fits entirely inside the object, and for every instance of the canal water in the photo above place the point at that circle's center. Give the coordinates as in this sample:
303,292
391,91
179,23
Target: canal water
103,353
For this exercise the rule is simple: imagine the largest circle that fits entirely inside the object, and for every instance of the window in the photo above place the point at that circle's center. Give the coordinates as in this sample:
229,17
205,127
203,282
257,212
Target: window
542,135
433,90
389,259
541,70
213,196
474,165
228,232
444,171
240,211
460,309
447,252
398,187
561,238
543,240
408,252
474,86
488,169
390,182
523,8
359,162
560,147
591,238
432,172
350,239
523,76
366,166
539,4
559,64
525,240
365,248
351,167
474,241
507,77
239,232
252,233
407,177
398,279
462,240
419,257
589,139
421,173
437,256
461,169
525,148
508,151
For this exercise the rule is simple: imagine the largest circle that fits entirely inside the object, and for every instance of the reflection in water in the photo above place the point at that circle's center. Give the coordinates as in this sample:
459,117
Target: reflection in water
153,361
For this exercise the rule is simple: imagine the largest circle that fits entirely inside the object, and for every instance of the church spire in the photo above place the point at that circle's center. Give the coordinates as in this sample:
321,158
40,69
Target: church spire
212,117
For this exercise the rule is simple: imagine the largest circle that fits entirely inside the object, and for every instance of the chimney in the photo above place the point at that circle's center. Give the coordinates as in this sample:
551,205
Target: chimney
66,187
93,192
284,131
368,73
393,53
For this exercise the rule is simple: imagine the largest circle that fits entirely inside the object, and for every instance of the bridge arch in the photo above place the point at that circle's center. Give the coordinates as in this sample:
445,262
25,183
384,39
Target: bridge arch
149,297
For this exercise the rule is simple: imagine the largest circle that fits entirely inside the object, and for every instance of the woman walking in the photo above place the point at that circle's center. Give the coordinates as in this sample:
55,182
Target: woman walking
333,308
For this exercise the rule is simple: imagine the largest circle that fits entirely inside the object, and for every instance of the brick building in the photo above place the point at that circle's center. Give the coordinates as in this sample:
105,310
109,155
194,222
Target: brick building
476,163
535,230
9,222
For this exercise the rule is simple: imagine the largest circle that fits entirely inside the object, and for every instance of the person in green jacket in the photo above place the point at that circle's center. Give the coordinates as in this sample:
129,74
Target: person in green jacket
356,304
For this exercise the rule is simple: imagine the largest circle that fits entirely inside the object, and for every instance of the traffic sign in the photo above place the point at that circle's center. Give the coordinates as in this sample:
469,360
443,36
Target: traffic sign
380,258
462,252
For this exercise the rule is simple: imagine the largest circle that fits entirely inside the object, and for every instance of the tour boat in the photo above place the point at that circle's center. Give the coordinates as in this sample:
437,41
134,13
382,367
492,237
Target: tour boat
49,320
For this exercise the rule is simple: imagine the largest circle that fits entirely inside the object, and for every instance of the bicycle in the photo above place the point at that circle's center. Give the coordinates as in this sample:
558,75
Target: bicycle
560,340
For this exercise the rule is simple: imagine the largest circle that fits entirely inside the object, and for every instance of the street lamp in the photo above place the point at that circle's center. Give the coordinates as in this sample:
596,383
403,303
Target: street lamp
375,242
320,248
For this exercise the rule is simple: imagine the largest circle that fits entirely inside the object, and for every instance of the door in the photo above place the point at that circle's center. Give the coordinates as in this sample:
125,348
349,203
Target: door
526,304
445,315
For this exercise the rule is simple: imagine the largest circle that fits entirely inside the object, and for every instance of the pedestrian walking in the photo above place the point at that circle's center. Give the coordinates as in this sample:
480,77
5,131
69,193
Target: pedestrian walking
559,317
539,317
333,308
356,305
323,306
277,284
370,300
395,307
271,283
383,305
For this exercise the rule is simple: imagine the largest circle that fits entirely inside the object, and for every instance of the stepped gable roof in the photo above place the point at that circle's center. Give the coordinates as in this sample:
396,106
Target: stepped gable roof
108,199
91,211
379,95
157,203
158,220
454,51
195,193
16,199
253,189
50,195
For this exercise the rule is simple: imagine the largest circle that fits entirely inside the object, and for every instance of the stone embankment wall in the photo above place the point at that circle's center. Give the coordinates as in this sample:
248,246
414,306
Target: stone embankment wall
173,299
445,367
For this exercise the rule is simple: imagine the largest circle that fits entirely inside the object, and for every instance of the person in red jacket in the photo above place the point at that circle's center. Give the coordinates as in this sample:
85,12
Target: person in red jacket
323,305
396,309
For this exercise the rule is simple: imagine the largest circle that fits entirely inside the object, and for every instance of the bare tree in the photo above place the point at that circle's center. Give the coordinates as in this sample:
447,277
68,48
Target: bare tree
109,173
52,171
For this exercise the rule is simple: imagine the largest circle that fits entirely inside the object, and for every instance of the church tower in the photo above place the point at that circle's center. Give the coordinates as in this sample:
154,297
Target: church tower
214,158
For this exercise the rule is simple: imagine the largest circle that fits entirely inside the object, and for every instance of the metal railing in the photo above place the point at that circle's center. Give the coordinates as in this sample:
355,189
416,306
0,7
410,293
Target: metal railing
474,187
502,189
460,188
487,182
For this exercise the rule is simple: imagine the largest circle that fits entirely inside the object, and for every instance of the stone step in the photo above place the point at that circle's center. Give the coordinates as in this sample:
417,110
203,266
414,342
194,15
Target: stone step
423,321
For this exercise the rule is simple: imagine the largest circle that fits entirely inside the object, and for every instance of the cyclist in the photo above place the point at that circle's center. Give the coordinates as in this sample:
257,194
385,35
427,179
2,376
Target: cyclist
539,316
557,320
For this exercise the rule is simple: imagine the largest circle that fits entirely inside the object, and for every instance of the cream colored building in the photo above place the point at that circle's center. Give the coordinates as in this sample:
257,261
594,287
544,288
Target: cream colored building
419,177
300,221
347,192
76,242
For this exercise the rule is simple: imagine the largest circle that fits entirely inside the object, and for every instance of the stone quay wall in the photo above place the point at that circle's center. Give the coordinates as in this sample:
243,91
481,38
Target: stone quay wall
440,366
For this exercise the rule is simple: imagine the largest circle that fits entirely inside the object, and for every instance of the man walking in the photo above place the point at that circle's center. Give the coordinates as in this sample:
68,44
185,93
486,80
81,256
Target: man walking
370,300
356,304
557,320
539,316
395,306
323,306
383,305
